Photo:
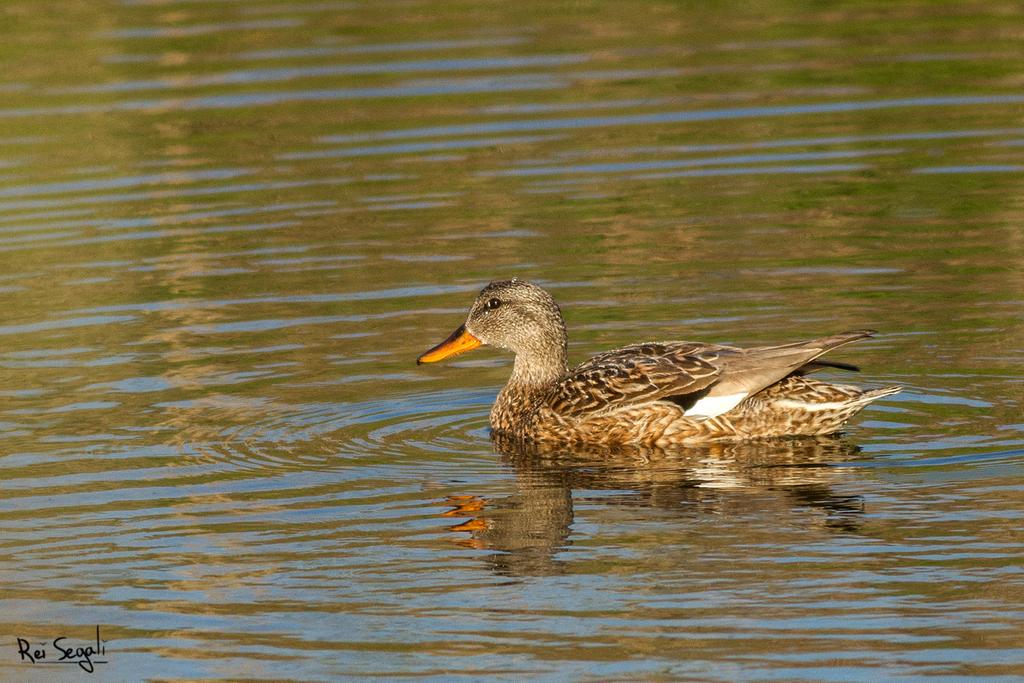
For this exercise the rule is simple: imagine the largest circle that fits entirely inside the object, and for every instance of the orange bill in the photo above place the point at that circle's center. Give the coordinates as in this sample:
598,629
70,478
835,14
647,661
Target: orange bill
460,341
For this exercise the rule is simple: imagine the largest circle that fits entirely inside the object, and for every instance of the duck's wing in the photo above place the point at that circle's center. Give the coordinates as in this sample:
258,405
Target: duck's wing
635,374
747,371
705,380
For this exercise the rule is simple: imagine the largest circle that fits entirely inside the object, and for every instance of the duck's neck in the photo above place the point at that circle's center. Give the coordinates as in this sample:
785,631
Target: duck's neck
538,370
533,374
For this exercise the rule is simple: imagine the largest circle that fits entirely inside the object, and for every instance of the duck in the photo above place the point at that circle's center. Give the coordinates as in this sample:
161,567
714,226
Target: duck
649,394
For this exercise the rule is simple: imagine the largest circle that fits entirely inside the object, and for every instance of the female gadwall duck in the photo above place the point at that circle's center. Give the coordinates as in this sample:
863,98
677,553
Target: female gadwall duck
651,394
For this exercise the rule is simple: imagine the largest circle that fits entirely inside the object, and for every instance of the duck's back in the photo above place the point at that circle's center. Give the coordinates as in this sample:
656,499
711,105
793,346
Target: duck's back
659,393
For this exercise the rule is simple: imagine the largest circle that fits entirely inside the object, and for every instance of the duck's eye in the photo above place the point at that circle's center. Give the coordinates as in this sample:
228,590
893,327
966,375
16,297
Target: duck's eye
492,304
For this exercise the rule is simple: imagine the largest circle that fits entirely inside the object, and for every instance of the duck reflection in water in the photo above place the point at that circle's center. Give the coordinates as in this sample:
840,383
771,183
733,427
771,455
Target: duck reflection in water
529,529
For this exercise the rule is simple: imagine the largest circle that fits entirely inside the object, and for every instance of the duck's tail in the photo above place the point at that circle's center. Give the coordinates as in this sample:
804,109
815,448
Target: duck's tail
808,406
870,395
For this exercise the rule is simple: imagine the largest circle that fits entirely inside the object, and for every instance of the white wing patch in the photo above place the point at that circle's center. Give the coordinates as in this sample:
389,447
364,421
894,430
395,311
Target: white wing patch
712,406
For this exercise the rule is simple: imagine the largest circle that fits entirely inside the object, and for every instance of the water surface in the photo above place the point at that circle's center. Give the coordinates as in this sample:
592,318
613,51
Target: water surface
227,230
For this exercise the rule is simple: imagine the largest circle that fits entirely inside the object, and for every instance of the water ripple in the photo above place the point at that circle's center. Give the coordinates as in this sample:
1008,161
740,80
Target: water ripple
283,74
182,31
416,427
619,167
584,122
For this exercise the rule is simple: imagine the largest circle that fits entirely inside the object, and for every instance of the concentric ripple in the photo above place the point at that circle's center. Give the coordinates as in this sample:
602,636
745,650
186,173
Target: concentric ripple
267,435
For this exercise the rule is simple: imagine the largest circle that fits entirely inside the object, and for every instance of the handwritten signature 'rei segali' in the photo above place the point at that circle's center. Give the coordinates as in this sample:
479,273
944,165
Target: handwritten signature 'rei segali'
62,651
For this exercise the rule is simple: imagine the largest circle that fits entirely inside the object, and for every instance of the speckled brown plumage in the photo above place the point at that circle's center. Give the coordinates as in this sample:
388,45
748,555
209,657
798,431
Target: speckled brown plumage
654,393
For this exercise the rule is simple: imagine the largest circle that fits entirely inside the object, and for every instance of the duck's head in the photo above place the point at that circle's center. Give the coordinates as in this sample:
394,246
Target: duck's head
509,314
